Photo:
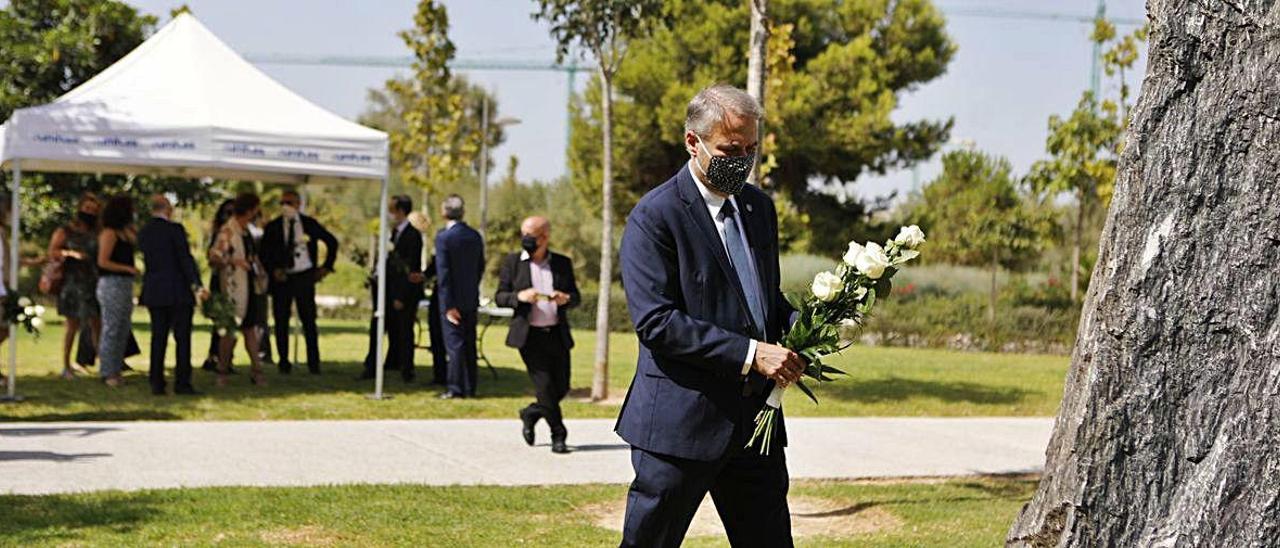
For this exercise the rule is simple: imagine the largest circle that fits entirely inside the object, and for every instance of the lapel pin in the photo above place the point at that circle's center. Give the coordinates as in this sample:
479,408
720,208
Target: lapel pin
749,208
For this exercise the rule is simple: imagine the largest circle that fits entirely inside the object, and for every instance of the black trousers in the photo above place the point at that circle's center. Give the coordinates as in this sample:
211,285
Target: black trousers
460,343
439,357
547,359
400,346
297,290
178,320
749,491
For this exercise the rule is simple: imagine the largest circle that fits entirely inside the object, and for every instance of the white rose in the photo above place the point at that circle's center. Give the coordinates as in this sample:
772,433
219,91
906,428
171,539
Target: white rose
848,329
826,286
855,250
36,322
872,262
910,236
21,318
39,310
24,302
29,310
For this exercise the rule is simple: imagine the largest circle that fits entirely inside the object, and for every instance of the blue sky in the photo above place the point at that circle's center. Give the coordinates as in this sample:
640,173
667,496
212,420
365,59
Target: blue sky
1006,79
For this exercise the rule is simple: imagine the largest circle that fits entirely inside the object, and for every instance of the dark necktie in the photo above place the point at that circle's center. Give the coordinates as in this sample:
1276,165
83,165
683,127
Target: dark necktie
290,244
741,264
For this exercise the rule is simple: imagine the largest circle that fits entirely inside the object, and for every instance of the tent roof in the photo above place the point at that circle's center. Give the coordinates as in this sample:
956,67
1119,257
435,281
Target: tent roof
184,103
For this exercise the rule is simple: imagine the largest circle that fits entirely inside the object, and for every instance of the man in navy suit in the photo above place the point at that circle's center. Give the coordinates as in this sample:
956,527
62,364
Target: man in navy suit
170,285
700,268
459,266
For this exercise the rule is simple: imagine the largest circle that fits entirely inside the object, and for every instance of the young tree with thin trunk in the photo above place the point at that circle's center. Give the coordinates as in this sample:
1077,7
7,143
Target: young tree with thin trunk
1168,432
603,28
977,216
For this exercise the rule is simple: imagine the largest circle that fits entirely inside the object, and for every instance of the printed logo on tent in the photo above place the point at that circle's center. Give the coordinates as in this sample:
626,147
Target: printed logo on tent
353,158
174,145
114,141
298,154
57,139
248,150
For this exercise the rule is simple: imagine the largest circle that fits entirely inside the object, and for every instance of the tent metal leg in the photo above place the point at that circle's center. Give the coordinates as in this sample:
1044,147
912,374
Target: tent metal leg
379,355
11,391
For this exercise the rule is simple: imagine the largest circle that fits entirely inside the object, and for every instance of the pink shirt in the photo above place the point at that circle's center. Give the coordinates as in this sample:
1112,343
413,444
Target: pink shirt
543,312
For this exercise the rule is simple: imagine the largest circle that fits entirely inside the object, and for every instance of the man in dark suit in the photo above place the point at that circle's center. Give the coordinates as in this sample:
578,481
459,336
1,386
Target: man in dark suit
404,290
699,264
540,286
290,252
459,266
170,286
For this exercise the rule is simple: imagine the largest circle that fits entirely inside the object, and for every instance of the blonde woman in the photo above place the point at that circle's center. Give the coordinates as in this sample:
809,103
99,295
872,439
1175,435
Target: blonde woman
244,279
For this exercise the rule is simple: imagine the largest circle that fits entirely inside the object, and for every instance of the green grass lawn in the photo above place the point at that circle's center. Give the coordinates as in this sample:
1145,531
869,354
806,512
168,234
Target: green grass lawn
882,382
953,513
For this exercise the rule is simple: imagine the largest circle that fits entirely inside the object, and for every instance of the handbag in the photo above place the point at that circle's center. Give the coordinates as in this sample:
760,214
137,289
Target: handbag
51,277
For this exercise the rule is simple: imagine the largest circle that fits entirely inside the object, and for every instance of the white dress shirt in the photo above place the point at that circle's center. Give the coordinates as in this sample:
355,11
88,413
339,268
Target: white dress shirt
714,204
543,312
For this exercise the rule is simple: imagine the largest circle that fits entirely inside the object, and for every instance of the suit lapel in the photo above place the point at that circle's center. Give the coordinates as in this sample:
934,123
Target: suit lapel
696,209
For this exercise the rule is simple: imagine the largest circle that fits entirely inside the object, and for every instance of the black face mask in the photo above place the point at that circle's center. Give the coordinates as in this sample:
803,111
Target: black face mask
87,218
529,243
727,174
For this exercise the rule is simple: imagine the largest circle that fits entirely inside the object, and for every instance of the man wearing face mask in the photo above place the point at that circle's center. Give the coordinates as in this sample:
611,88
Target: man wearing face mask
540,286
699,263
290,249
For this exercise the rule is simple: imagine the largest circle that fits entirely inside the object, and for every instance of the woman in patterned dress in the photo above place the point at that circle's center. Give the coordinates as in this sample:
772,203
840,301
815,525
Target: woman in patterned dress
76,246
243,278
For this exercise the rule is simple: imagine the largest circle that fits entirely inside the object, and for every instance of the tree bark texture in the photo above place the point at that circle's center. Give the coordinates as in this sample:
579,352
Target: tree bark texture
756,70
600,377
1169,430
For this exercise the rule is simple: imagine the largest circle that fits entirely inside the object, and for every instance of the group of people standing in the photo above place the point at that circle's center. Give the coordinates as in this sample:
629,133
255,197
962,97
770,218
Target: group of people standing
91,266
93,258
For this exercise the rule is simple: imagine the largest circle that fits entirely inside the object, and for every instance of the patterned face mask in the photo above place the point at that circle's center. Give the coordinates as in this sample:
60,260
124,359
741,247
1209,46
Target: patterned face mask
727,174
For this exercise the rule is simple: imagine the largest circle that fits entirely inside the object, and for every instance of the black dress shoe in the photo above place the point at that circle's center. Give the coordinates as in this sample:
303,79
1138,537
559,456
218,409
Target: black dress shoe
366,376
528,421
158,391
285,368
559,447
408,379
314,369
187,391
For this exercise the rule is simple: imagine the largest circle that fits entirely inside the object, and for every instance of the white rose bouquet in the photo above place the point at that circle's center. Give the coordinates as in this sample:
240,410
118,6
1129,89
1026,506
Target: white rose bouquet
22,311
831,315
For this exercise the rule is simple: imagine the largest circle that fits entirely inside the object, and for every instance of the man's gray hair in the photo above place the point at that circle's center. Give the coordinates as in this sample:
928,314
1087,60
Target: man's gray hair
710,106
453,207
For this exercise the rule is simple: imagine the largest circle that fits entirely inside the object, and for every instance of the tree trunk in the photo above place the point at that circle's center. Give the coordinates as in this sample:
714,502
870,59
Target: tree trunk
1077,242
991,304
756,70
1169,431
600,380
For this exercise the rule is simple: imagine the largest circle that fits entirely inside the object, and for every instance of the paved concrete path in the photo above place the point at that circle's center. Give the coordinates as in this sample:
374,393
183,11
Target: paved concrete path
40,458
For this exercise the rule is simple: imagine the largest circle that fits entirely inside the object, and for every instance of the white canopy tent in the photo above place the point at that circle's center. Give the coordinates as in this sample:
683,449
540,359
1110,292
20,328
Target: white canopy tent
185,104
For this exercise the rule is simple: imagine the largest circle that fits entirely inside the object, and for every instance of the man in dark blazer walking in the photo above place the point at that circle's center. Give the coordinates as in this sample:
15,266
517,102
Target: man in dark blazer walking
404,266
170,287
699,265
290,253
541,288
459,266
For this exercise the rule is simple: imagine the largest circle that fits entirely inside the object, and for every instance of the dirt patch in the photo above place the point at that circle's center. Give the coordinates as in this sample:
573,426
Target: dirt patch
583,395
307,535
810,517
